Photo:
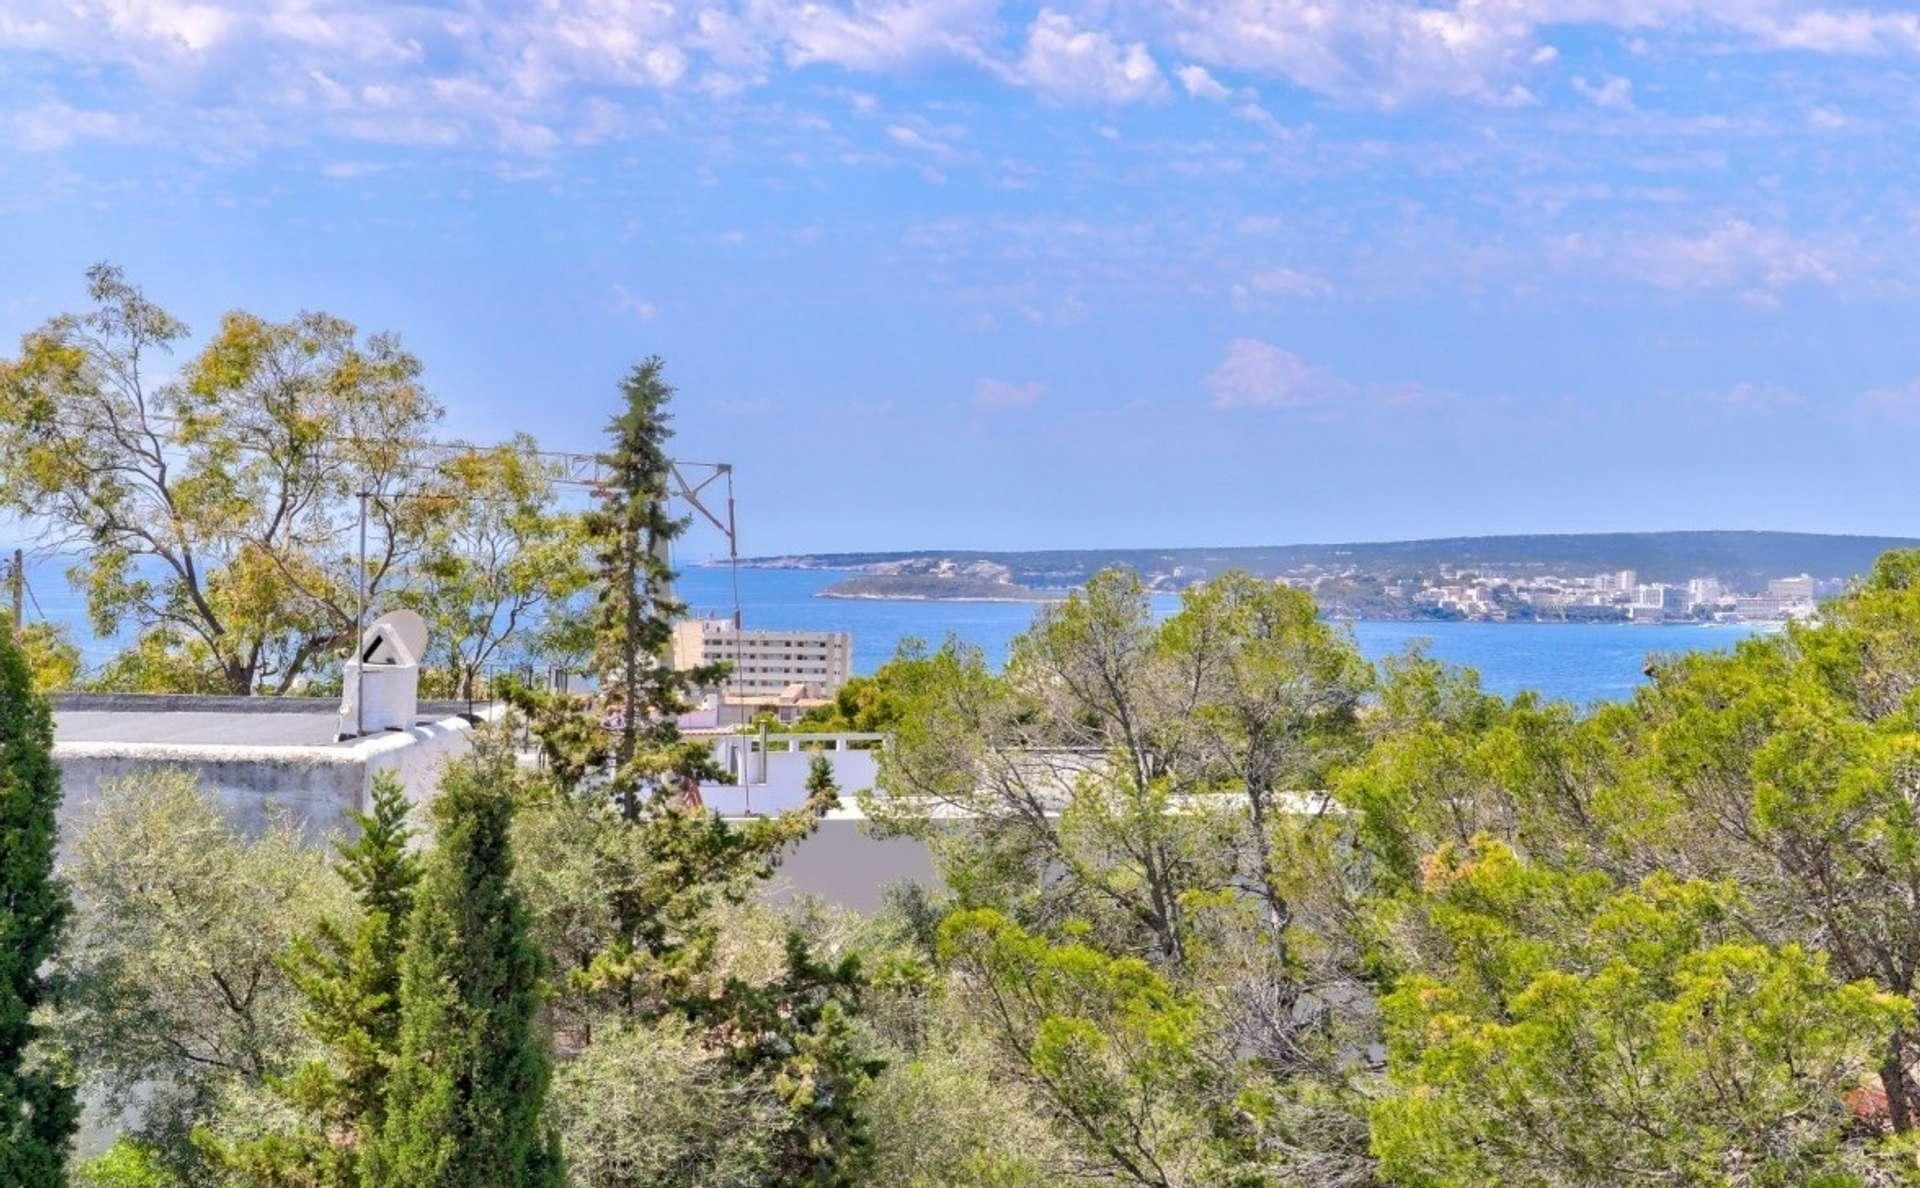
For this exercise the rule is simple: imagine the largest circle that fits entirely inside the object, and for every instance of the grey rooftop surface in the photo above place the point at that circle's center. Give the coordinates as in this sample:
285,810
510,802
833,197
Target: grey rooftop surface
179,720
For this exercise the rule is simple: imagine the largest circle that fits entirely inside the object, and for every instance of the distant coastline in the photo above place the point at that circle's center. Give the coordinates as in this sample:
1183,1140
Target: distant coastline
1692,576
923,587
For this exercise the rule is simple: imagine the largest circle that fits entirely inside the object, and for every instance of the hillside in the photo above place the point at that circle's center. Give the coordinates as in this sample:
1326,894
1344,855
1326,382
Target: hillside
930,587
1741,560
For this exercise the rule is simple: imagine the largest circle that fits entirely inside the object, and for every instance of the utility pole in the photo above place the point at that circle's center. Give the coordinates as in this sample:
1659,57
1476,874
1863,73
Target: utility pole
17,578
359,630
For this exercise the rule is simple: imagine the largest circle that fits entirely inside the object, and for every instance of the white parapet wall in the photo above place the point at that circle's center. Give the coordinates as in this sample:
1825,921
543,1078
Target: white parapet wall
843,862
257,761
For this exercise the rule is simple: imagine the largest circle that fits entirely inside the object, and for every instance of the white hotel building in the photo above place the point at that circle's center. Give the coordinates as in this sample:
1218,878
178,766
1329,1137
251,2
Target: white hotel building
782,672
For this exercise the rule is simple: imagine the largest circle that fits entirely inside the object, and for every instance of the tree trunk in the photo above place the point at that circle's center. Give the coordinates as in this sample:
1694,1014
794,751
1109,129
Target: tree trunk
239,678
1893,1079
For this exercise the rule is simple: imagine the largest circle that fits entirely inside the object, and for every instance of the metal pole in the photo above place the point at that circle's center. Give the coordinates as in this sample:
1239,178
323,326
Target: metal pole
19,581
359,630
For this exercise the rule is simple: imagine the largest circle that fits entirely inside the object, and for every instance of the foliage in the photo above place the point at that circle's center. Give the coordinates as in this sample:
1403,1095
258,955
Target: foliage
176,987
349,979
160,659
630,533
128,1163
216,505
51,656
467,1091
650,1104
1574,1034
794,1034
1136,788
1111,1045
497,560
875,703
38,1114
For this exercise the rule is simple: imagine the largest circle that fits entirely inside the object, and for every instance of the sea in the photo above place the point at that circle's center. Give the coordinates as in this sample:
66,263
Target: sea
1578,662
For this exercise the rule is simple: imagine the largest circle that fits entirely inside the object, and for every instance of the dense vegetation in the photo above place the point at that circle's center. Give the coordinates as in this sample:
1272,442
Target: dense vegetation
37,1110
1667,942
1221,904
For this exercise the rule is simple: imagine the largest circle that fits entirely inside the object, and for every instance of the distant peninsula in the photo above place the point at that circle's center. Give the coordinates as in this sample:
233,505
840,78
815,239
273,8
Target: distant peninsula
904,587
1637,576
937,580
1741,559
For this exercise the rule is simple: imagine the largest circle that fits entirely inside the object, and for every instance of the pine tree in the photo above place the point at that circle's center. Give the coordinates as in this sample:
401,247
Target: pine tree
350,978
467,1091
631,532
37,1111
795,1035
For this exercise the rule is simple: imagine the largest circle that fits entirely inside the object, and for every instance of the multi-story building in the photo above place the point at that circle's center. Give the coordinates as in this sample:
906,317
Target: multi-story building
766,663
1795,589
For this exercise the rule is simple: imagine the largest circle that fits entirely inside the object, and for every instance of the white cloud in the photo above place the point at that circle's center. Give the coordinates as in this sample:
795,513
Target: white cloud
1200,84
1280,284
1382,53
879,35
346,170
1262,119
629,305
537,77
1391,53
53,126
1840,31
1067,62
1751,396
1901,402
1758,263
992,395
1257,374
921,142
1612,92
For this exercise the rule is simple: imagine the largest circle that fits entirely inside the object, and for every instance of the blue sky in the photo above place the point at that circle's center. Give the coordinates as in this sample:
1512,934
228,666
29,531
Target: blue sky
1095,272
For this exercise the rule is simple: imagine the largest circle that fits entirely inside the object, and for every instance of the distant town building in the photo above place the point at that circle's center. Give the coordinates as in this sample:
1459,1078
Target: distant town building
1792,588
766,663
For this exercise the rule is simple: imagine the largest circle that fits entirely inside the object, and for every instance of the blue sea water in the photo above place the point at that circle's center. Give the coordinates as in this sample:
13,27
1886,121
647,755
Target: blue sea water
1578,662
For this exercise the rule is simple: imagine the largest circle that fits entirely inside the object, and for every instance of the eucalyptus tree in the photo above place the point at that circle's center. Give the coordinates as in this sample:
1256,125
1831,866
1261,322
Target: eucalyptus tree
216,505
498,561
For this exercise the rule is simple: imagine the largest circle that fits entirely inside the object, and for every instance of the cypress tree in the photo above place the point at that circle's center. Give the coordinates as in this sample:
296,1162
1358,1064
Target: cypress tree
37,1110
467,1091
350,978
631,531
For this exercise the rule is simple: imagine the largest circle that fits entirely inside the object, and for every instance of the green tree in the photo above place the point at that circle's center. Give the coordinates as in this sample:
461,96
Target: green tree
467,1093
37,1110
216,509
630,533
496,561
52,658
1566,1033
128,1163
1143,787
349,979
1113,1050
177,1000
873,703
